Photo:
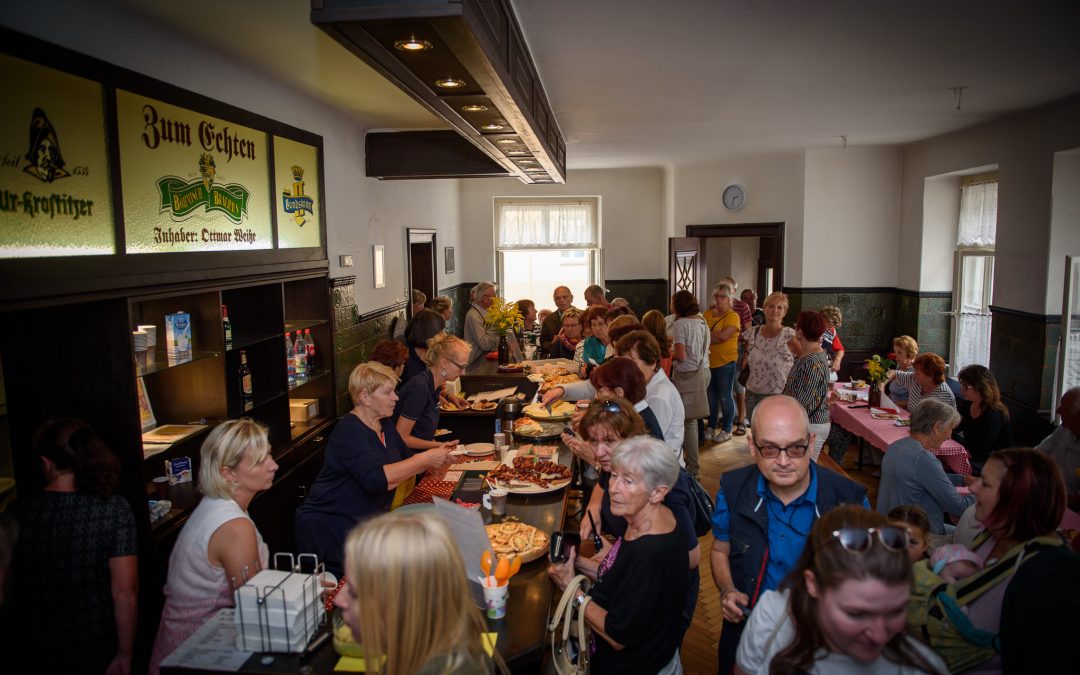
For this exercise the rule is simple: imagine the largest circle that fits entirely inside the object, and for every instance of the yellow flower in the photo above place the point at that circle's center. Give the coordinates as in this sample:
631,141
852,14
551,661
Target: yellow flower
877,369
503,317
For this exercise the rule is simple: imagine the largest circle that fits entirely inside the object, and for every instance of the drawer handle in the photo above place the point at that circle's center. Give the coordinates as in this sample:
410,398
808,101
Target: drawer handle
318,439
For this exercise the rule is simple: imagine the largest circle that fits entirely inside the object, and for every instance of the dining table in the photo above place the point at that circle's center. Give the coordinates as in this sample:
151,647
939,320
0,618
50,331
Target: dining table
521,634
856,417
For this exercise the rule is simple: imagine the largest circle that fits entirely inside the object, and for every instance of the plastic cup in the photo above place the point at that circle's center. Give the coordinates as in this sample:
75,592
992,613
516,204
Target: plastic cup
498,500
161,486
495,600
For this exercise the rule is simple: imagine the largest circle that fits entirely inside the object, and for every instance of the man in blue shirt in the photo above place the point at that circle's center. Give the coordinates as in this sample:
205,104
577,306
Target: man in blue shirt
764,513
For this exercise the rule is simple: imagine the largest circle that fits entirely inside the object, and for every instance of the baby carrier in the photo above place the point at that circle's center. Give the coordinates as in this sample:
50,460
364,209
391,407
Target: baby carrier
936,608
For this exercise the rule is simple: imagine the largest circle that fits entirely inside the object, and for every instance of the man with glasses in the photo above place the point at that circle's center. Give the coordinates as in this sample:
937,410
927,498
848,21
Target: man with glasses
477,334
564,300
764,513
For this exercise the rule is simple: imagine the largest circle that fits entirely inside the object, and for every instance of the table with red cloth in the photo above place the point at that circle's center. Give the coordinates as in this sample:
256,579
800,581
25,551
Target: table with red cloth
434,483
882,433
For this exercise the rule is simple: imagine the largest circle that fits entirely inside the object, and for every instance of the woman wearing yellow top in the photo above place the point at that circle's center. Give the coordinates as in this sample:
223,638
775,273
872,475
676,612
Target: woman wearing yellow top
724,326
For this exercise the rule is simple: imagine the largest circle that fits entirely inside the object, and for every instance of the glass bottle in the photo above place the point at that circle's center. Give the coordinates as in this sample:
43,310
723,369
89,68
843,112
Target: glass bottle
247,392
228,326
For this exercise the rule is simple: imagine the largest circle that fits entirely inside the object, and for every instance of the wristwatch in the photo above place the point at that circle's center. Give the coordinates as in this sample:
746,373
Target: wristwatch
580,600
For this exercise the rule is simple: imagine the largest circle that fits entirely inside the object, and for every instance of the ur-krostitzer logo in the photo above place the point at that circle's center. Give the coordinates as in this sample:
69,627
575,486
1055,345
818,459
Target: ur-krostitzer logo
182,198
294,201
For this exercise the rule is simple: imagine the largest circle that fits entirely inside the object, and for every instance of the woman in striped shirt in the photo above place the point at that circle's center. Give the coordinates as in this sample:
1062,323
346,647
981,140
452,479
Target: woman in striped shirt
927,380
808,380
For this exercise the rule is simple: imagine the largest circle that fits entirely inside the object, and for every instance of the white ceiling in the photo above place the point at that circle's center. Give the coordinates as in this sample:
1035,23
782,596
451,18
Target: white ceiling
647,82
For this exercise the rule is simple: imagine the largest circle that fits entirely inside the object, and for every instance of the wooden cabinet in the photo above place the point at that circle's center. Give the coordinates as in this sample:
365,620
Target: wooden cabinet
76,358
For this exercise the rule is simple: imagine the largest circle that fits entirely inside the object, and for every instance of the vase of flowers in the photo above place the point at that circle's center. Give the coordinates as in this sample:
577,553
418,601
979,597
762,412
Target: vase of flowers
877,374
504,318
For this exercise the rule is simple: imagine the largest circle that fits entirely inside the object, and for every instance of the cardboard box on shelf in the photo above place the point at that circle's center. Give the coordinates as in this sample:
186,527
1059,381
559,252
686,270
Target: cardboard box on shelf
303,409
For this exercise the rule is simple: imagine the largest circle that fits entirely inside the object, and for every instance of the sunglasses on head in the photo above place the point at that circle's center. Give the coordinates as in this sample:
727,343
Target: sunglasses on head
858,540
610,406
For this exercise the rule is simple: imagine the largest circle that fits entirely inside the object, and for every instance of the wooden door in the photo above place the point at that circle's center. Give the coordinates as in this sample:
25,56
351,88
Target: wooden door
686,265
422,271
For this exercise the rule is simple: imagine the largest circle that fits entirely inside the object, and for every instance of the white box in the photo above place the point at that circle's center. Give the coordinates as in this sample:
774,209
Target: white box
303,409
178,336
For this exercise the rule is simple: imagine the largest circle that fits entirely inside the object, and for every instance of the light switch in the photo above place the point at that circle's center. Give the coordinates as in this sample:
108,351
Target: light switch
346,260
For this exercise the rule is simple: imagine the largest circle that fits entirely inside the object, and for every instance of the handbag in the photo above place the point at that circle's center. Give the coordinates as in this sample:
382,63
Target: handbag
703,506
569,634
744,376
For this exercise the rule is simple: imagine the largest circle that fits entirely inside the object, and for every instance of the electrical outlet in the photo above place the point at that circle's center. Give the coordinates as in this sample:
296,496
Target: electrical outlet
345,260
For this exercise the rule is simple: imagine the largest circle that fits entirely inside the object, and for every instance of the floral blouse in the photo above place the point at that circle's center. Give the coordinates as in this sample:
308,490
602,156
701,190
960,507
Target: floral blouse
769,360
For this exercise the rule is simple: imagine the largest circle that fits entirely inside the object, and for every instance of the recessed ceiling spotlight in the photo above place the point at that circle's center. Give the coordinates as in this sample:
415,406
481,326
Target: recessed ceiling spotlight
474,107
449,83
507,141
517,153
492,126
413,45
525,161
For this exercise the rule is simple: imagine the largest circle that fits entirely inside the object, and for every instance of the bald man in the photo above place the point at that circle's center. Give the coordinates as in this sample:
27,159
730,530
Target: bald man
782,487
564,300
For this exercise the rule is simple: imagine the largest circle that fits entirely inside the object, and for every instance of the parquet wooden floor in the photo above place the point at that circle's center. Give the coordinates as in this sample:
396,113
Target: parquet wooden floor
699,646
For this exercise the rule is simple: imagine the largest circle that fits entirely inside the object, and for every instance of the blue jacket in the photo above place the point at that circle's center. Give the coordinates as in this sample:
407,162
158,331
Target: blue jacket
749,526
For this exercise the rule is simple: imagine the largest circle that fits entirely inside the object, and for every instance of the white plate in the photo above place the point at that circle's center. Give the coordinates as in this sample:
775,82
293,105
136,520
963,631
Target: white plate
479,449
536,377
459,451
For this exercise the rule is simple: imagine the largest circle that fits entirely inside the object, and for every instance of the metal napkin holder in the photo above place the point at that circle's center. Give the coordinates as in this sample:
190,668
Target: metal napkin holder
271,599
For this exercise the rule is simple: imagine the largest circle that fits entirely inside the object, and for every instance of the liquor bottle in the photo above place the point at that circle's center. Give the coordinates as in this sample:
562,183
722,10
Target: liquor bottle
300,358
310,344
290,360
247,393
228,326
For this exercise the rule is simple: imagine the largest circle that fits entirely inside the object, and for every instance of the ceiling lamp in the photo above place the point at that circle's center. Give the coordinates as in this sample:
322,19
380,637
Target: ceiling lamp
450,83
413,45
517,153
474,107
492,126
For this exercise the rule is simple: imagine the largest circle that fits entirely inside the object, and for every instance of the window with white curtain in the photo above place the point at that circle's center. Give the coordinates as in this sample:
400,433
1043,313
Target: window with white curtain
974,274
544,243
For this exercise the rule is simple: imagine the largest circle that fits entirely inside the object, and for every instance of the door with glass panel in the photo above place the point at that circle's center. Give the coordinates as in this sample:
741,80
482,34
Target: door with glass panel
1068,375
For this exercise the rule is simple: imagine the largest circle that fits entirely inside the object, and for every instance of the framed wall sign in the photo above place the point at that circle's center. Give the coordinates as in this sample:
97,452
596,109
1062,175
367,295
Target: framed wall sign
377,252
448,259
298,204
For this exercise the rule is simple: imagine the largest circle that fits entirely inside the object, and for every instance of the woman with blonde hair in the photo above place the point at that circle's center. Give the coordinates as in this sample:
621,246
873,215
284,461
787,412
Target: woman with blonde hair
416,415
407,597
767,353
220,547
365,461
905,349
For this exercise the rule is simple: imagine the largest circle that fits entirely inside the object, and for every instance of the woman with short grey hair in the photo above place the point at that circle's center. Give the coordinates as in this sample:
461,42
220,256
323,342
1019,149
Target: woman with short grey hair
911,474
635,606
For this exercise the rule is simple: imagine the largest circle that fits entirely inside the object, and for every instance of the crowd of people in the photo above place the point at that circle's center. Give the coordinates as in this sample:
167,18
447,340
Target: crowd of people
812,577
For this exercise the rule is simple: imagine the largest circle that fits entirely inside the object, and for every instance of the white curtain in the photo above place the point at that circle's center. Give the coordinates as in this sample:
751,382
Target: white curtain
550,225
973,345
978,215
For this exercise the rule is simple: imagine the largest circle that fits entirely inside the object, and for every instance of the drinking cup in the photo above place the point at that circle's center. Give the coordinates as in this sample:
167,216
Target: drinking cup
495,599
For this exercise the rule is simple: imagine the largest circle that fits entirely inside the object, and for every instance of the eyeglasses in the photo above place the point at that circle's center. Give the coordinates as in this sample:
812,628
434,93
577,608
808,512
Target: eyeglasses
794,451
460,366
858,540
965,387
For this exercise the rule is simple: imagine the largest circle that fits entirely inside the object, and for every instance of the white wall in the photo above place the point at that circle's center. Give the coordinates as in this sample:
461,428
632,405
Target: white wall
937,241
736,257
633,240
1023,147
774,186
850,217
359,211
1064,224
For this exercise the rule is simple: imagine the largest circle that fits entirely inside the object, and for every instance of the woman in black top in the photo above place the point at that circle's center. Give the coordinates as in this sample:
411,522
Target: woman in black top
635,606
984,420
564,344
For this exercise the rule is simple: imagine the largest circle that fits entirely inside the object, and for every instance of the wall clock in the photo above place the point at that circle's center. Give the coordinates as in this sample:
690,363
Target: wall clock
734,196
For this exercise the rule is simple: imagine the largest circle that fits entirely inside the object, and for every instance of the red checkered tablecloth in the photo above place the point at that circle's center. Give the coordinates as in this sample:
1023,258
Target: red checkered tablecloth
882,433
434,483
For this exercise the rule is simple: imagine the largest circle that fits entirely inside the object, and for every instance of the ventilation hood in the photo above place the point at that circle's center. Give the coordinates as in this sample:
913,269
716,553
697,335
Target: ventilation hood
467,62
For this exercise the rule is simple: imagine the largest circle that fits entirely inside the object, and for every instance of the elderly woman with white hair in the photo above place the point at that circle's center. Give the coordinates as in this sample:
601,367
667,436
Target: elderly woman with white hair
480,338
911,474
635,606
219,547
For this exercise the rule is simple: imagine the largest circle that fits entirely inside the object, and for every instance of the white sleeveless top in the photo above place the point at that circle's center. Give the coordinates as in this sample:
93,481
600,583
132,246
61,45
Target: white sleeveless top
195,589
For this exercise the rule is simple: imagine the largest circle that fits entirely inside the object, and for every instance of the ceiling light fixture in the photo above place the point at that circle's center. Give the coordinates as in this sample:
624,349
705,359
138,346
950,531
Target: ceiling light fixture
507,141
517,153
413,45
474,107
958,91
492,126
449,83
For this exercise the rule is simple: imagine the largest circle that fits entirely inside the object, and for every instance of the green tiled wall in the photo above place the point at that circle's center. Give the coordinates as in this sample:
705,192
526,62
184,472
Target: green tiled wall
1023,351
642,294
460,296
869,314
356,334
